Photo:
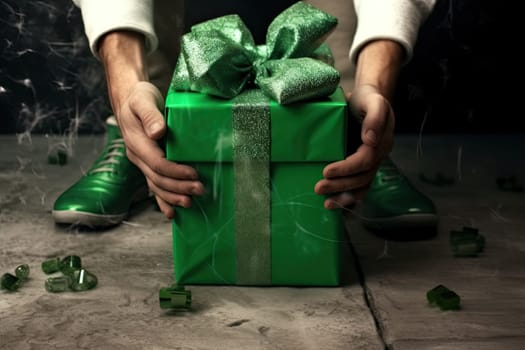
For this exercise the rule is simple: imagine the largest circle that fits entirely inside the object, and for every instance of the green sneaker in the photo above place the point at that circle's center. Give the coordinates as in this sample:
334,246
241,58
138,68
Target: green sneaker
393,203
104,195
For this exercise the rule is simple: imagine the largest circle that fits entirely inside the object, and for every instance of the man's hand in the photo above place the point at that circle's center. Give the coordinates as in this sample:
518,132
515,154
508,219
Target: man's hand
377,69
137,105
350,178
142,124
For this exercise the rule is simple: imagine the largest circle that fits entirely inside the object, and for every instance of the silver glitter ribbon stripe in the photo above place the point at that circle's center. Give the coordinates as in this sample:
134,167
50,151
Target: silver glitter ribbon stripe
251,176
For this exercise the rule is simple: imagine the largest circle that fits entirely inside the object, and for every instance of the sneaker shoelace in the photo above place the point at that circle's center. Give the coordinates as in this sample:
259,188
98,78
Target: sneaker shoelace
114,153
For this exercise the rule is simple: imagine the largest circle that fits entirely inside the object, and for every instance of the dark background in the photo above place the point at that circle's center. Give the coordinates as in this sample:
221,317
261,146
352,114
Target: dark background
50,83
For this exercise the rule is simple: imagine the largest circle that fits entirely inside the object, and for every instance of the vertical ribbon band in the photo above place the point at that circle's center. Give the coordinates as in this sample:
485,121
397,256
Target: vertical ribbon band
251,176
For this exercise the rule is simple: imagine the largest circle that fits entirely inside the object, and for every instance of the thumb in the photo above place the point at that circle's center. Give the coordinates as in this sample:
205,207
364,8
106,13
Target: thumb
146,104
375,122
154,124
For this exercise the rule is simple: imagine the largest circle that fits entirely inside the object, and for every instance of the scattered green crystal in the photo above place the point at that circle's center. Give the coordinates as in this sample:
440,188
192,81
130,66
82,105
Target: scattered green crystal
481,242
467,243
57,284
58,158
466,248
175,297
10,282
444,298
70,264
83,280
22,272
51,266
467,233
448,301
433,294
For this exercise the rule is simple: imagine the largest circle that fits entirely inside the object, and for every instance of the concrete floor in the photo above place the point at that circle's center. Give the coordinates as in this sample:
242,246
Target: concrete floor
381,305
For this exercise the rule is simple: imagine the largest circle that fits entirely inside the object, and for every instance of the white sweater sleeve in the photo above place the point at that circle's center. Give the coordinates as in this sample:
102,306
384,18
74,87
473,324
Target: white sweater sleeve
397,20
103,16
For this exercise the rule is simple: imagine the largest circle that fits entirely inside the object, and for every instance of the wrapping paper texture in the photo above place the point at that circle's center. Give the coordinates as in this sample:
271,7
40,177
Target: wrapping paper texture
304,237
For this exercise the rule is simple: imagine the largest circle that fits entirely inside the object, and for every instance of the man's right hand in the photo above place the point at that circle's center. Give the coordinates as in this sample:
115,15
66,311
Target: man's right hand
137,105
142,124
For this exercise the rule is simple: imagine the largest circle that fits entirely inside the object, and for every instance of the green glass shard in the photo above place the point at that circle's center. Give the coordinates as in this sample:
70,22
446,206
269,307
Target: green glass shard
444,298
470,230
467,242
22,272
9,282
175,297
58,158
70,264
435,292
57,284
82,280
468,234
51,266
448,301
466,248
481,242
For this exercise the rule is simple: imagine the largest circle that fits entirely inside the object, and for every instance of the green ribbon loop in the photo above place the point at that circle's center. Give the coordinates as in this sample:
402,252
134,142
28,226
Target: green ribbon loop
219,57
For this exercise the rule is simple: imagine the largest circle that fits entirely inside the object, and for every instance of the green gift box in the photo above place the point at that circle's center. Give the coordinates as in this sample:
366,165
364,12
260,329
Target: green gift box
304,237
258,124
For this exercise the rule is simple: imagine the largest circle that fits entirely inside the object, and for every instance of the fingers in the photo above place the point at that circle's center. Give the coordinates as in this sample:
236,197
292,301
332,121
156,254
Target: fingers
363,160
165,208
342,184
170,198
348,179
345,199
146,154
173,183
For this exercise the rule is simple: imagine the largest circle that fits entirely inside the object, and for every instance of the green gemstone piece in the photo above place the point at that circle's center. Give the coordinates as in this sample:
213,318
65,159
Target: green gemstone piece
175,297
444,298
465,234
433,294
10,282
22,272
51,266
470,230
467,243
83,280
57,284
480,240
466,248
448,301
70,264
58,158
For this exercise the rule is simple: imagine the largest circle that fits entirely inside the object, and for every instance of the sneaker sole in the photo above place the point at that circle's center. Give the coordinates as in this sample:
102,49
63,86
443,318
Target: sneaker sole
401,221
82,218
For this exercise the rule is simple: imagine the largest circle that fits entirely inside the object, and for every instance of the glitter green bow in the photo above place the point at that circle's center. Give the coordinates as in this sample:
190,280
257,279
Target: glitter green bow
219,57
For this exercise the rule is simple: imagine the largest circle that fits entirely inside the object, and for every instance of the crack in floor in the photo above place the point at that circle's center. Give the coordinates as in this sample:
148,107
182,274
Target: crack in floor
369,300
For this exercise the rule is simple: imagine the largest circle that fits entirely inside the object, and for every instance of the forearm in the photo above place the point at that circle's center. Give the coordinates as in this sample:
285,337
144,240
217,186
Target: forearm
378,65
122,54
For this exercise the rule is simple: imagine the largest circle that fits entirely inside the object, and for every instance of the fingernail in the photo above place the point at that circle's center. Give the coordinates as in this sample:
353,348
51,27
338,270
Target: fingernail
155,128
197,190
371,135
330,205
348,197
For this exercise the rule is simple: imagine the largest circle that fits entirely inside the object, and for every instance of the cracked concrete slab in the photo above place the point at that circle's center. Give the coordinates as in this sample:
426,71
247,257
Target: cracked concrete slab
398,274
